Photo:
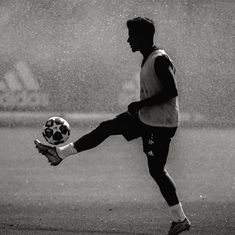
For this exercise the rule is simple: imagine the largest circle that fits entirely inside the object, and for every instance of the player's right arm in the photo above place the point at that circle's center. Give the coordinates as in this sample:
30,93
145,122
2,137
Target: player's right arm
165,71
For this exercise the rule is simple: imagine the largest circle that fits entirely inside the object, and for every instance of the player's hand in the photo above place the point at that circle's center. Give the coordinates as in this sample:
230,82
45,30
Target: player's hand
134,107
49,152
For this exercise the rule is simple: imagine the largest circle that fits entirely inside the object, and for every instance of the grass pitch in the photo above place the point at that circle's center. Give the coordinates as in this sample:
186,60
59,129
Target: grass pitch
107,190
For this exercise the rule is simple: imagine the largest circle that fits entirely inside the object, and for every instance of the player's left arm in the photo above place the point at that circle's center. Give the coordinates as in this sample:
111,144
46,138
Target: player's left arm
165,71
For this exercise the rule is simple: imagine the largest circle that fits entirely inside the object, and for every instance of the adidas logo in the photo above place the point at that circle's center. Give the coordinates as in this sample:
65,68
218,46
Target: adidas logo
19,89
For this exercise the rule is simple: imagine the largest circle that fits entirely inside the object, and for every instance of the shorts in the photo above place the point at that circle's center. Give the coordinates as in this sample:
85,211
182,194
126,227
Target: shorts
153,137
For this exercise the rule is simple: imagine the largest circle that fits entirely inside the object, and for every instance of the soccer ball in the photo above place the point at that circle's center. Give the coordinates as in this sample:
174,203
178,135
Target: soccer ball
56,130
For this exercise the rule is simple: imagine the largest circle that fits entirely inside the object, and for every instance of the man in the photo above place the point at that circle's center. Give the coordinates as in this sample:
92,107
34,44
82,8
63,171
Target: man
154,118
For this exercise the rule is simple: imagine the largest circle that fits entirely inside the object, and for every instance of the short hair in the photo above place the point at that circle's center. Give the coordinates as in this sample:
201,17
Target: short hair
141,25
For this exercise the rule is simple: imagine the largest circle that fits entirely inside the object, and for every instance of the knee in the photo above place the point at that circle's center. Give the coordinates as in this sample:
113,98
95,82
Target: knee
157,174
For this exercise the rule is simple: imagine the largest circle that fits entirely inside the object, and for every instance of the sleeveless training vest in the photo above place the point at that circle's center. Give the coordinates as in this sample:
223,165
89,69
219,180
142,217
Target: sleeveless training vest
165,114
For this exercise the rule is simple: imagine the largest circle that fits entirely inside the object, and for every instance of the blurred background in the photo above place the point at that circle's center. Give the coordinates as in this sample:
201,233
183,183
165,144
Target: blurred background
71,57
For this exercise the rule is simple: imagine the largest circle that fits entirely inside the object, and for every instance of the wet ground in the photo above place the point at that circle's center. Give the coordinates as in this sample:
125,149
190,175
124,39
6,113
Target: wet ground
107,190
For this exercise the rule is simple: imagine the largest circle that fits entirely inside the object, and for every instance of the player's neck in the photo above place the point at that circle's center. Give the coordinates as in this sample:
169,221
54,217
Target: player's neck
147,51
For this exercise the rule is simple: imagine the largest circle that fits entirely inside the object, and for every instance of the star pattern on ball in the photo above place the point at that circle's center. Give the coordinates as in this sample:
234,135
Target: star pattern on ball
56,127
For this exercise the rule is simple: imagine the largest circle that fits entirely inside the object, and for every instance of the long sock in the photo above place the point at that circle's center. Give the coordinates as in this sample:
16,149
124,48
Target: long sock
66,150
177,212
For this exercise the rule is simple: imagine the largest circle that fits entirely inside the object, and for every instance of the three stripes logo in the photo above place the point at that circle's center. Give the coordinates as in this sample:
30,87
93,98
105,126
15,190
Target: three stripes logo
19,89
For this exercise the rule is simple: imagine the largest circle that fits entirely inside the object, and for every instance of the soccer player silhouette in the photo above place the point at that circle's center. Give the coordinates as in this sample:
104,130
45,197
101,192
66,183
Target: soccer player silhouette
154,118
